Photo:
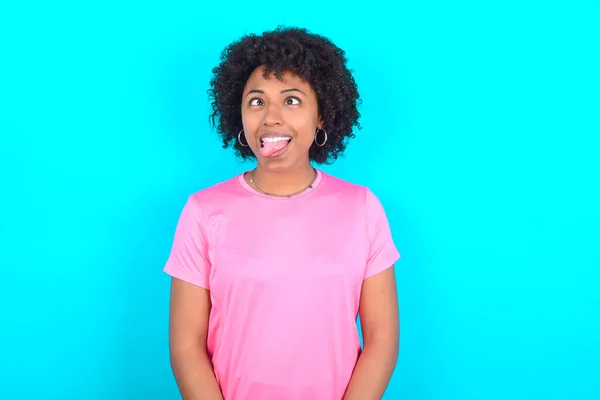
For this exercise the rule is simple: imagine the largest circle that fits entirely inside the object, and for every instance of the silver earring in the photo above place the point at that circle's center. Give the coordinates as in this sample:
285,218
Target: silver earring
240,139
324,140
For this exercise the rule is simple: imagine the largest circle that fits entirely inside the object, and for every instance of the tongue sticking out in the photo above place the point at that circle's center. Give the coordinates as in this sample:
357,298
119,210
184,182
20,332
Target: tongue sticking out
268,148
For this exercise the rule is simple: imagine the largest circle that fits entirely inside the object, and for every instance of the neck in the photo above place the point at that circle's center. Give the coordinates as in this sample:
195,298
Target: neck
283,183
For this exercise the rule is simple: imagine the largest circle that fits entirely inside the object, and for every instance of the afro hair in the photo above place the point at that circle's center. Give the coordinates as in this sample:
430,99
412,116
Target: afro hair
313,58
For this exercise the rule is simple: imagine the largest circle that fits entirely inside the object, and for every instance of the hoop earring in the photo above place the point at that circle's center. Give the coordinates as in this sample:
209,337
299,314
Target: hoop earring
240,139
324,141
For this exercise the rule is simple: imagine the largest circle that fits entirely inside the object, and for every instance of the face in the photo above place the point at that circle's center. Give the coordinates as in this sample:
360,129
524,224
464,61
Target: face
280,119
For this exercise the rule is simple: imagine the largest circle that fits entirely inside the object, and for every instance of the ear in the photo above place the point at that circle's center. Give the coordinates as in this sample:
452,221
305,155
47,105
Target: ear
320,123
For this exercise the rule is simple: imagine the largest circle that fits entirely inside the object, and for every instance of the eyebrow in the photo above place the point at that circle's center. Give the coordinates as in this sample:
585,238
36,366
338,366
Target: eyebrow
283,91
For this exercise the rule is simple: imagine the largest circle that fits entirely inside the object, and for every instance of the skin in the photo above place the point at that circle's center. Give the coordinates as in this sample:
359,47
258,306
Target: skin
290,105
379,317
188,329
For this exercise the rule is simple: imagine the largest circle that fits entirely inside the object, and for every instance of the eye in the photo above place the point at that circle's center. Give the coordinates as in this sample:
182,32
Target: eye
256,102
292,101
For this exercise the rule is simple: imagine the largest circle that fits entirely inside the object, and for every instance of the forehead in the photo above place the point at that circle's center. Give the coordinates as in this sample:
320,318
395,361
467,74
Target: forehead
257,80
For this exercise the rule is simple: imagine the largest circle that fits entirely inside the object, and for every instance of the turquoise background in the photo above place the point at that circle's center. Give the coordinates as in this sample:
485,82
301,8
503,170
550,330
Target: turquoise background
481,138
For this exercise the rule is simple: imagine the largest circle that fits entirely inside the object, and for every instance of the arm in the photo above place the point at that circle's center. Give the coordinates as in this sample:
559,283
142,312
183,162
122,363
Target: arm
380,325
188,327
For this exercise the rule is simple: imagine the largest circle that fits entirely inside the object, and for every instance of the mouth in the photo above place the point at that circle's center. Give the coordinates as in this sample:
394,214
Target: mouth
274,144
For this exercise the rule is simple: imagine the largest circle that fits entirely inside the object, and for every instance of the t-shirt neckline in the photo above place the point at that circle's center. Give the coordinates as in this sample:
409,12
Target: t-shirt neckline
250,189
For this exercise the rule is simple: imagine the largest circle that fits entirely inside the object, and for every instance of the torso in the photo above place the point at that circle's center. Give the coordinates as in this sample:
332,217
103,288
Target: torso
285,285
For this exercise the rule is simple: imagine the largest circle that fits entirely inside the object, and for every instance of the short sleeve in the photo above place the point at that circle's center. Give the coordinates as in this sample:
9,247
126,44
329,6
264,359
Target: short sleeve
382,250
188,259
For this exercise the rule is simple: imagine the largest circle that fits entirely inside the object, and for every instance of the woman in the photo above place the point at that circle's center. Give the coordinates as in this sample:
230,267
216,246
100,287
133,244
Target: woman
270,268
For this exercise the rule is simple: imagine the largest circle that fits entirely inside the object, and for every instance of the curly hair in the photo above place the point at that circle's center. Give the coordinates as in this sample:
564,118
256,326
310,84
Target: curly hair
313,58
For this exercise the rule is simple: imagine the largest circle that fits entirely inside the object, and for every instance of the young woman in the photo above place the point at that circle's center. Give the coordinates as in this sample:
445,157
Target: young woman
271,268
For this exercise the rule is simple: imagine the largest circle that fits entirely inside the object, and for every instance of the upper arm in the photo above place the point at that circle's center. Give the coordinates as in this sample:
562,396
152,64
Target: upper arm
188,315
382,250
378,306
378,309
189,266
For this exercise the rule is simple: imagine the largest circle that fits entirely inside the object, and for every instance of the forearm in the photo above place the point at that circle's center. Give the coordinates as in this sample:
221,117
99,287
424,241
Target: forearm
372,372
195,375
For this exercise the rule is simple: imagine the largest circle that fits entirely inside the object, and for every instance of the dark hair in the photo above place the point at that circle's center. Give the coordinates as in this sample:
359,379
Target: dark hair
313,58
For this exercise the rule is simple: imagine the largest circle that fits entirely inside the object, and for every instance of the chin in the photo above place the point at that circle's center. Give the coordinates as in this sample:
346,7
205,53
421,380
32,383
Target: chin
282,163
276,165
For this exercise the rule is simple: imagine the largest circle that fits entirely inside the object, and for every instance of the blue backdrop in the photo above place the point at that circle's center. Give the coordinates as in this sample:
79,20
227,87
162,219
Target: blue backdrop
481,138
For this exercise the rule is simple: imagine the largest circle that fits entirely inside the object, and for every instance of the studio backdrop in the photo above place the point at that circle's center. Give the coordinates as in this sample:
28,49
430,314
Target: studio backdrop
480,135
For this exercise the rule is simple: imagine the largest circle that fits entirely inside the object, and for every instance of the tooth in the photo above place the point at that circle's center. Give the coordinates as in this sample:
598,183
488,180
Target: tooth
276,139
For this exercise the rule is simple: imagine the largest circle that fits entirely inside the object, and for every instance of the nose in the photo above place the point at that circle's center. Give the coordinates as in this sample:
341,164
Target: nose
272,115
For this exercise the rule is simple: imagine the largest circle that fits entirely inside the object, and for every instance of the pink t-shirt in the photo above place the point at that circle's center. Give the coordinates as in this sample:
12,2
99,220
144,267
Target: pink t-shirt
285,278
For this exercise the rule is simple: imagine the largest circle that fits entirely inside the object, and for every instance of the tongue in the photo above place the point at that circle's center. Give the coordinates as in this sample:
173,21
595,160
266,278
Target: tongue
268,148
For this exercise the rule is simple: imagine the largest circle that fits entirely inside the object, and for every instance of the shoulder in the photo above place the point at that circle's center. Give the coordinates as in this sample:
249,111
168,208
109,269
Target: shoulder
360,197
220,194
348,190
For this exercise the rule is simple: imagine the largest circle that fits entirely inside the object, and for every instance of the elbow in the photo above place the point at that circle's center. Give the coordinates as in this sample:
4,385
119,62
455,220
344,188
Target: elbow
386,346
183,349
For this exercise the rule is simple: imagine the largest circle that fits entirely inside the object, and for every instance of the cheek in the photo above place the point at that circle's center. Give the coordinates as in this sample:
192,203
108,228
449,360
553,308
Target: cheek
250,120
250,124
306,137
305,127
